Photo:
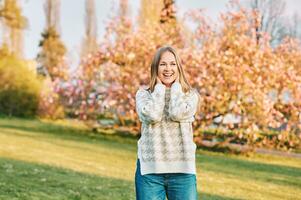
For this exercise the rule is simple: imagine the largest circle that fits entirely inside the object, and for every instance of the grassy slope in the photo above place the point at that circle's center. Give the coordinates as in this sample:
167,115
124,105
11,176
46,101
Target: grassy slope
46,160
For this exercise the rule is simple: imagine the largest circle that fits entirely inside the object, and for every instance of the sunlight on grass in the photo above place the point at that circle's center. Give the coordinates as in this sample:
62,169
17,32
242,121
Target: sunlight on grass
81,156
60,146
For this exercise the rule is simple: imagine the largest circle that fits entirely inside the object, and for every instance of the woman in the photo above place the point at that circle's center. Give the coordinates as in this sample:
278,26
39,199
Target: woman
166,151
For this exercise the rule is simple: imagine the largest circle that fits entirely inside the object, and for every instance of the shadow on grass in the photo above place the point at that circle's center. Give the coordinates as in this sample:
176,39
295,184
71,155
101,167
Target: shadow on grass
64,132
26,180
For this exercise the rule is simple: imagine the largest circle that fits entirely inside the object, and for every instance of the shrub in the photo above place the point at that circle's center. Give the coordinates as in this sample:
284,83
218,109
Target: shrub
19,88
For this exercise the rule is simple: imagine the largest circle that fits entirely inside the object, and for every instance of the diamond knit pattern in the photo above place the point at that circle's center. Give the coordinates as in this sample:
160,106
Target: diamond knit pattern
166,133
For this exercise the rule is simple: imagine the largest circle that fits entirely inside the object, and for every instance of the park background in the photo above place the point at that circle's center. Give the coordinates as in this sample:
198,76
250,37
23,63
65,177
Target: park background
69,71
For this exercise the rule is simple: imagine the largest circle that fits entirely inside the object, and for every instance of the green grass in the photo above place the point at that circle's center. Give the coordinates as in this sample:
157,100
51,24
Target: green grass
63,160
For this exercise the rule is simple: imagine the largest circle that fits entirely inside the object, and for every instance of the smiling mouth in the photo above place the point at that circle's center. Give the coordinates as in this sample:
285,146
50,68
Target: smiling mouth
168,75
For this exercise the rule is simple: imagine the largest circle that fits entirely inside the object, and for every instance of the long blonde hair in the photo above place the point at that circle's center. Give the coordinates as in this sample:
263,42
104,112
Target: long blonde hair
186,87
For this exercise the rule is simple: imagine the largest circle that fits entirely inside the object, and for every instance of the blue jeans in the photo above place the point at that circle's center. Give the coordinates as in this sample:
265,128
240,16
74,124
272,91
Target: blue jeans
176,186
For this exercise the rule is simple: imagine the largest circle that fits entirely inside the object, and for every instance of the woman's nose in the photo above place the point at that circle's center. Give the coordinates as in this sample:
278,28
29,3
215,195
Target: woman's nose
168,66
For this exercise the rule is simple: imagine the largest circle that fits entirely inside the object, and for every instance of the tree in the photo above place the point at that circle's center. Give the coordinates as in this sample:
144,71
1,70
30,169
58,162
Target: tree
149,12
294,29
273,21
89,44
122,19
52,54
169,22
13,23
233,73
168,12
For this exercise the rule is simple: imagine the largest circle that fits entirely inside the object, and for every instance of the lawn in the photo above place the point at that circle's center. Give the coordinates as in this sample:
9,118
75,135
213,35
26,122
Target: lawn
62,160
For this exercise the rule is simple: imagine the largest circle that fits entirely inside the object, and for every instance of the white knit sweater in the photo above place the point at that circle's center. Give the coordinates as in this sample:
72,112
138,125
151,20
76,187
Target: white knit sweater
166,143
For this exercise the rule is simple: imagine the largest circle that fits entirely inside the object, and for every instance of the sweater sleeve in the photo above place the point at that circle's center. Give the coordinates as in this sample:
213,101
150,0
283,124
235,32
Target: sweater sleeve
182,108
149,106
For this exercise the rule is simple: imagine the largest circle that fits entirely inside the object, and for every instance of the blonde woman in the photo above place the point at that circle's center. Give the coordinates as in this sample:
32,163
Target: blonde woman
166,151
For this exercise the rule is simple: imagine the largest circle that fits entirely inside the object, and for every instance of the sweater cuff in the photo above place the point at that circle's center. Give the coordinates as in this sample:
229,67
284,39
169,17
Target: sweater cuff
176,88
160,88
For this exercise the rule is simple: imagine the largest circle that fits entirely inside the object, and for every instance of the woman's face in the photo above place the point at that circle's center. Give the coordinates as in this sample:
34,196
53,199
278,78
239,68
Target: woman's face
168,69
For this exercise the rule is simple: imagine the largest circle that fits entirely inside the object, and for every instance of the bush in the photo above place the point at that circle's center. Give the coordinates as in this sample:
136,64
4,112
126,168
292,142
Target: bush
50,106
19,88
